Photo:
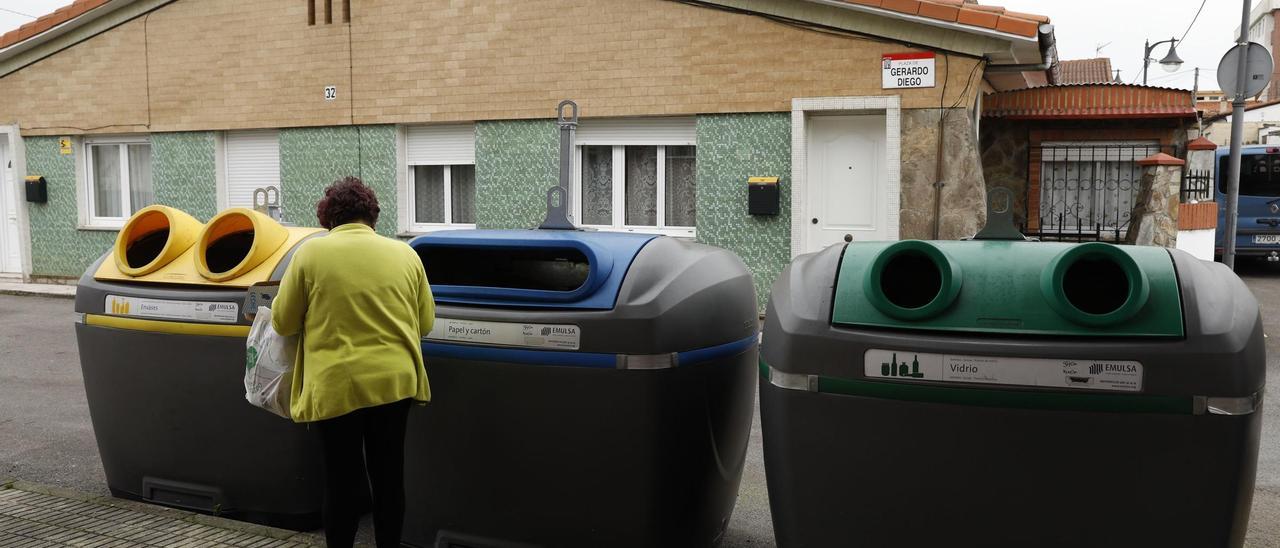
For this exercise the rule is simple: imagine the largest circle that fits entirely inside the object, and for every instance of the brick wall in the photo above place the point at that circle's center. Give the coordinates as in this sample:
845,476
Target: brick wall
234,64
99,85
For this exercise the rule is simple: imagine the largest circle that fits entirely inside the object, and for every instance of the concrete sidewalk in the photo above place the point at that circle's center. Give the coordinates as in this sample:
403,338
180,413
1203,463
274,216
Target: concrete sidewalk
36,516
17,287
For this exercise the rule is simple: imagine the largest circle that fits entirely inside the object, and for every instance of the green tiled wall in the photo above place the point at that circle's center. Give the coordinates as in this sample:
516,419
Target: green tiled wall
184,172
731,148
313,158
516,162
58,247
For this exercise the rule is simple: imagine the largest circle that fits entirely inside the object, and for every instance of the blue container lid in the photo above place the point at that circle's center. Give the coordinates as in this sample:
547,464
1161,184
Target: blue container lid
568,269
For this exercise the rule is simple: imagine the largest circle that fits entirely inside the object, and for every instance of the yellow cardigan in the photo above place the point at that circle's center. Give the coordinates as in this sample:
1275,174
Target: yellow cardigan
362,305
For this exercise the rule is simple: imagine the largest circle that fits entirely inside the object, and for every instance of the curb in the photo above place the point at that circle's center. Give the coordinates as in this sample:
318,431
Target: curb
30,293
309,539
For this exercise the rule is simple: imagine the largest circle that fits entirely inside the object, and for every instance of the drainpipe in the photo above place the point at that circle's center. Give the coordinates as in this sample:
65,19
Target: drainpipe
937,175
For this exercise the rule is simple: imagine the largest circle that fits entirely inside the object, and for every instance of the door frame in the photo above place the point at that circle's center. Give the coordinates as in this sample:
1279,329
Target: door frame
801,108
13,137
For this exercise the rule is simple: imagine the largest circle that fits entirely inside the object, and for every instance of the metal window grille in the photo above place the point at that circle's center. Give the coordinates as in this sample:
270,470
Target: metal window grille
1084,192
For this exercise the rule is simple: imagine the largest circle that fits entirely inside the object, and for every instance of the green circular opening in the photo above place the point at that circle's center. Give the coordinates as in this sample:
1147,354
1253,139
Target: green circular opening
911,279
1096,285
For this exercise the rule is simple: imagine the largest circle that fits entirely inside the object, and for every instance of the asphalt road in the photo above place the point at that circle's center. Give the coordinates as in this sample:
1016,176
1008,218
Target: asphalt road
46,436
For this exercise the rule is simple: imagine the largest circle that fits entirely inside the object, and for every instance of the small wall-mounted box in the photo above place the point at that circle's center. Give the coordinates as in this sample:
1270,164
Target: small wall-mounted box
37,189
763,196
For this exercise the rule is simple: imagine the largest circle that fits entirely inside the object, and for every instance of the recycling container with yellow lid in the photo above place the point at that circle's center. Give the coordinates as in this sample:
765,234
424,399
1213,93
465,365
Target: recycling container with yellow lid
163,320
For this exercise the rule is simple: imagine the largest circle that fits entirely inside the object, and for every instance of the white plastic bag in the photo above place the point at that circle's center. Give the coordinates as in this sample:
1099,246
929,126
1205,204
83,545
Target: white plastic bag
268,372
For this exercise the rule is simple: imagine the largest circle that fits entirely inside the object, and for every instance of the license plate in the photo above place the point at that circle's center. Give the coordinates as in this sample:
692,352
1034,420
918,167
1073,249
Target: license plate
1266,238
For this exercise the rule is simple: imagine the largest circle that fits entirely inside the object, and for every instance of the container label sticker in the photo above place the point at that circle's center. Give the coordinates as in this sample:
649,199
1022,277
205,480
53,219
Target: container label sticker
200,311
532,335
901,365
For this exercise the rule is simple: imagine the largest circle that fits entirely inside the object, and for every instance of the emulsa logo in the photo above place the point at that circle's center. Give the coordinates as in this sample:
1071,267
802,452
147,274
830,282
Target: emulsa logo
1098,368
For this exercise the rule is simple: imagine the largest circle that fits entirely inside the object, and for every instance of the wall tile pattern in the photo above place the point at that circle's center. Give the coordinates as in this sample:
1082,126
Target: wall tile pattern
58,247
313,158
184,172
516,162
731,148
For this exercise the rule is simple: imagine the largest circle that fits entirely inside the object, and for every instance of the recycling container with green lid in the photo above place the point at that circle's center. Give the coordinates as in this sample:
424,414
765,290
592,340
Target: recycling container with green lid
1010,393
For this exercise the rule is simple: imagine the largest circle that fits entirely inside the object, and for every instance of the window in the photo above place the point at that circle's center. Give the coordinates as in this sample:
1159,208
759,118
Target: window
118,179
1090,185
637,175
441,189
444,194
638,187
1259,174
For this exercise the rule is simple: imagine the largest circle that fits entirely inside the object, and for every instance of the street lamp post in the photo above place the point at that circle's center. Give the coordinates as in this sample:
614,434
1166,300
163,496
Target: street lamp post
1170,63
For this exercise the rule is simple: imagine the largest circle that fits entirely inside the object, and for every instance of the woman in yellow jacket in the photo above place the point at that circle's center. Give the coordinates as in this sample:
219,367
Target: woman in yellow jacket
362,304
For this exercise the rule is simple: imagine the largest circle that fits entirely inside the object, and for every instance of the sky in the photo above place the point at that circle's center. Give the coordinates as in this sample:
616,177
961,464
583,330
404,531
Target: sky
1117,29
1084,29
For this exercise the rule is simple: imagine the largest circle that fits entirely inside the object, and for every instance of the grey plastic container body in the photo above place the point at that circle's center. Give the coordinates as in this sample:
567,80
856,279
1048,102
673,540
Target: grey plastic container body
552,455
856,462
172,423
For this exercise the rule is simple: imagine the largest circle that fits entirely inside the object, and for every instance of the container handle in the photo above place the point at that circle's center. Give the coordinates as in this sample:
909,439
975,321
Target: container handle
1000,217
557,211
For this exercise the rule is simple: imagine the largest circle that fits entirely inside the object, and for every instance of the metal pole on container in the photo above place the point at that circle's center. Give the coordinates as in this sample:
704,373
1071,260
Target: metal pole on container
558,197
1237,137
568,128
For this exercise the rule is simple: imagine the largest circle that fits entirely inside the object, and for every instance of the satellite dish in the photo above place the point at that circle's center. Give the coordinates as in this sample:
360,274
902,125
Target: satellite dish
1257,71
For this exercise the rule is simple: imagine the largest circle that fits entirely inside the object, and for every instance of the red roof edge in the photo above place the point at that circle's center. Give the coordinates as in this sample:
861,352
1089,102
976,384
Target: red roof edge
1202,143
1161,159
48,21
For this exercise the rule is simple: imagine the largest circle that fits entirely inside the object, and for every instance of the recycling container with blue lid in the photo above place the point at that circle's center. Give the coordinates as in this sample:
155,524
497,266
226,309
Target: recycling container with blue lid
588,389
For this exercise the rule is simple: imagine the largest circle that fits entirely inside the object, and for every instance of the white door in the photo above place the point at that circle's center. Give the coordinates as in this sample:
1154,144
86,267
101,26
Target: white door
846,181
10,261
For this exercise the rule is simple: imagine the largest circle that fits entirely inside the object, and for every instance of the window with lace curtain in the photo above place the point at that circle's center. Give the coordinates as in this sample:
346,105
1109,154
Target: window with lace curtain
117,180
640,188
441,192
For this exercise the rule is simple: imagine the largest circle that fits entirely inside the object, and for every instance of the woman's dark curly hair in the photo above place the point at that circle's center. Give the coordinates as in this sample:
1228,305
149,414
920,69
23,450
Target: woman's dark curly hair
348,201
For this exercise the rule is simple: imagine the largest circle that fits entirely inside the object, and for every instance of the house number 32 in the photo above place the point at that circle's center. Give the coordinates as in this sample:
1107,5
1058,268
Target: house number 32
330,93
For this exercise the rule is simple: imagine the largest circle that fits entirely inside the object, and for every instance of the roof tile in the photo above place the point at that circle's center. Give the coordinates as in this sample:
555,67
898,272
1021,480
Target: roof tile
1085,71
935,10
1014,25
1029,16
975,18
872,3
905,6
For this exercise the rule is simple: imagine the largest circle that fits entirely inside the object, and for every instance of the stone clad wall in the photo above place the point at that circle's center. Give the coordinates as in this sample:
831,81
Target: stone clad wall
1004,151
964,206
1156,208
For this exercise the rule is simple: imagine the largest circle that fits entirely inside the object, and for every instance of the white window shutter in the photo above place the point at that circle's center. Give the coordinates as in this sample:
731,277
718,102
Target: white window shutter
253,162
637,131
441,145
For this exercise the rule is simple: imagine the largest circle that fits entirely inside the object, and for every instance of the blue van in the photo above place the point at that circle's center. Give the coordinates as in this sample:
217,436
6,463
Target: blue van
1258,228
